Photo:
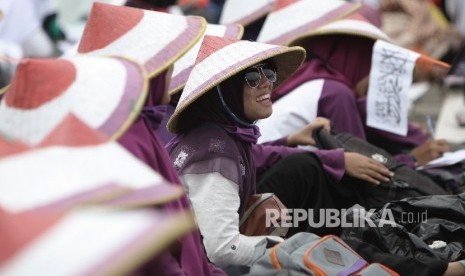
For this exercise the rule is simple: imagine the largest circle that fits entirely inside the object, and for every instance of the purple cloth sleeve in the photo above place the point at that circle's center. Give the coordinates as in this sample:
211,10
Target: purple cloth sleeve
406,159
266,156
279,142
338,103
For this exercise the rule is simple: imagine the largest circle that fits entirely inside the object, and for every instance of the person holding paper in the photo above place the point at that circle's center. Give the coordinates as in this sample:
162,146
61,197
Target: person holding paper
333,80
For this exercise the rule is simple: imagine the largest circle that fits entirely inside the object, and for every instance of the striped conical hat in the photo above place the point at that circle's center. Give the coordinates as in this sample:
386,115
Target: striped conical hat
354,24
244,12
291,19
183,67
220,58
106,93
74,165
89,241
153,39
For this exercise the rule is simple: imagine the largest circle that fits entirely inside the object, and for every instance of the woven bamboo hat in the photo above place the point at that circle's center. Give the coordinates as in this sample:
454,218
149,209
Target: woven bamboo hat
153,39
354,24
244,12
87,241
291,19
106,93
183,67
74,165
220,58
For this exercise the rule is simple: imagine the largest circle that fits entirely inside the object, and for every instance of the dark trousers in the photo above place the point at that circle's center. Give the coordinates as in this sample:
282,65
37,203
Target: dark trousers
300,182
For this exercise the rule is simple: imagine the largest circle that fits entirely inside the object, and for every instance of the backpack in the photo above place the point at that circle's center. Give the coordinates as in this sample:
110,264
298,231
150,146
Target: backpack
405,183
308,254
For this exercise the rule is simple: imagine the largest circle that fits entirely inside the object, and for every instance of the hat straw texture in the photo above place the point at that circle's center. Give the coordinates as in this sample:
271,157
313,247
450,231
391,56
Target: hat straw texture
293,19
106,93
220,58
244,12
153,39
183,66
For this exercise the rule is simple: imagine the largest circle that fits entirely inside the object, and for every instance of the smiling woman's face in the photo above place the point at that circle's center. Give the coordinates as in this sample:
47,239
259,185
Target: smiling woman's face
258,84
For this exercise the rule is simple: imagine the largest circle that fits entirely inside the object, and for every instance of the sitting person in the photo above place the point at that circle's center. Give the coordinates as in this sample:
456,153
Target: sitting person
328,84
213,148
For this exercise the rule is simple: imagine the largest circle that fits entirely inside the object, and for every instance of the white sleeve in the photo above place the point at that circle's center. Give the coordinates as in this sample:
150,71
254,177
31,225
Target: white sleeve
215,201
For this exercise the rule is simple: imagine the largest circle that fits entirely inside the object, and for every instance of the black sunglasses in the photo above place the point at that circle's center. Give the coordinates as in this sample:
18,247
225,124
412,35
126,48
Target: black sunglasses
253,74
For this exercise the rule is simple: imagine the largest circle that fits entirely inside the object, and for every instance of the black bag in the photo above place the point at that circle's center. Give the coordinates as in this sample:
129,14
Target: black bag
451,177
405,183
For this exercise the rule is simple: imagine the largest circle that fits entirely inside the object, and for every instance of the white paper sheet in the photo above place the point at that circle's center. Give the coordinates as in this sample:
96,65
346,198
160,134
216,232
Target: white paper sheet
390,80
448,158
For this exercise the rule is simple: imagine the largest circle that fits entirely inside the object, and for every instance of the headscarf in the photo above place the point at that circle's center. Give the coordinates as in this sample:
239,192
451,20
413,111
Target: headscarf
342,58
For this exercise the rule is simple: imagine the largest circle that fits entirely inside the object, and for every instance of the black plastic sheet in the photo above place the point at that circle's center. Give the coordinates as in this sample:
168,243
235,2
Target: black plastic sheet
409,227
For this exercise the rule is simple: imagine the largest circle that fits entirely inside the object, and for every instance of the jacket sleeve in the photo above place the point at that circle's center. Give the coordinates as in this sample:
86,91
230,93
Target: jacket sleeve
265,156
215,200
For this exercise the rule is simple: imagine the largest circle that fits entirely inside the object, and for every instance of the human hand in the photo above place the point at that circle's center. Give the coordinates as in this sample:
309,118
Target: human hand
305,135
365,168
429,150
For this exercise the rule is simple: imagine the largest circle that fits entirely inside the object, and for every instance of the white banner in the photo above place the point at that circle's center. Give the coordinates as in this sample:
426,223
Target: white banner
390,79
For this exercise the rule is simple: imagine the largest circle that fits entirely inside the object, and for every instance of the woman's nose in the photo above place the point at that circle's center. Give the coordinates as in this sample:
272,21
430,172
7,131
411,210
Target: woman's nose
264,81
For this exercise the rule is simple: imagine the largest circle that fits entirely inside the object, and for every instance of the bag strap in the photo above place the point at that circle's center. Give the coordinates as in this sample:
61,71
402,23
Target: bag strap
248,212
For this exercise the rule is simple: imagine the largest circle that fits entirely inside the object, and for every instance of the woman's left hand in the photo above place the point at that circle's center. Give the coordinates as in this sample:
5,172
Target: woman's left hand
304,135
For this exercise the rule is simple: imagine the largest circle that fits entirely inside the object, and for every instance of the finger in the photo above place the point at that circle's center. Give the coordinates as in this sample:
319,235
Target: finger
378,176
381,169
442,142
370,180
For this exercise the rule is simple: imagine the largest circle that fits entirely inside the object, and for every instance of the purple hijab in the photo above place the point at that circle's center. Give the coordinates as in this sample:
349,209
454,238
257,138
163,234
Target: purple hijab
347,59
142,140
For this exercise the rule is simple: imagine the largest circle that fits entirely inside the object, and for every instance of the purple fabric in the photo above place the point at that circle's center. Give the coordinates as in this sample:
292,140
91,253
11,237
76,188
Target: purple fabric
359,264
338,102
142,140
267,155
208,148
163,133
371,14
406,159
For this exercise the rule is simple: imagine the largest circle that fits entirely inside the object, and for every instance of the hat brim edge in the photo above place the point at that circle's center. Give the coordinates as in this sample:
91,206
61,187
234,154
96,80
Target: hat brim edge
282,58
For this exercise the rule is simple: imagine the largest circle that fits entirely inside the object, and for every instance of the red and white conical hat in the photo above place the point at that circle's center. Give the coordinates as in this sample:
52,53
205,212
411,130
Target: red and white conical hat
153,39
183,67
106,93
291,19
220,58
88,241
74,165
244,12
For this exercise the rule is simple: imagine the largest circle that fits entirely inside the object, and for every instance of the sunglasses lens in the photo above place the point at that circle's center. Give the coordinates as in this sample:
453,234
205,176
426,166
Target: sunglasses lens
270,74
252,78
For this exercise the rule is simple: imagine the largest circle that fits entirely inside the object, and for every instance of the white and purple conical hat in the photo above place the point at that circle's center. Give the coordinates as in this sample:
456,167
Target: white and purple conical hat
354,24
75,165
183,67
106,93
244,12
220,58
291,19
87,241
153,39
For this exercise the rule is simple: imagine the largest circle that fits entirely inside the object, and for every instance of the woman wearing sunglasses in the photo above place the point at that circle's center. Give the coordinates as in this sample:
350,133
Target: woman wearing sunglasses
228,89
